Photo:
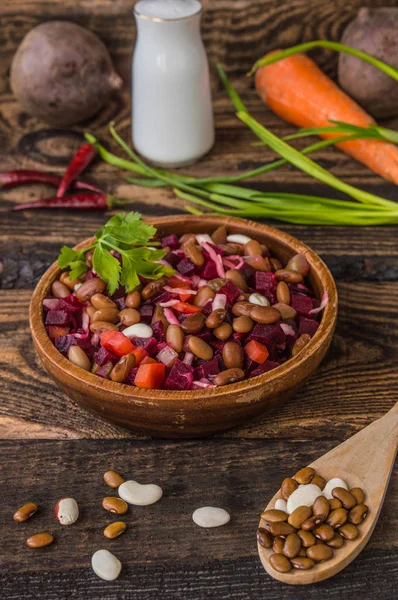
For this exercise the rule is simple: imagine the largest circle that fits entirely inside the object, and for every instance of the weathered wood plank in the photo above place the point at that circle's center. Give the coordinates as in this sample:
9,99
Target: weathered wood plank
163,552
356,383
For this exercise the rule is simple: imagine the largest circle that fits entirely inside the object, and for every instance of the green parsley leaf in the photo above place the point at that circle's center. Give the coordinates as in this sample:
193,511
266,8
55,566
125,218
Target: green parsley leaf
129,236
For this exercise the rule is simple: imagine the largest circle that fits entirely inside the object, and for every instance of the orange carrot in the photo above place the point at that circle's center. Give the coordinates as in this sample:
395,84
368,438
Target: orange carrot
299,92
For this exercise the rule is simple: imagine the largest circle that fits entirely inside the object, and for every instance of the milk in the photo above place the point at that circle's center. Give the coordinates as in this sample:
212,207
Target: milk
172,117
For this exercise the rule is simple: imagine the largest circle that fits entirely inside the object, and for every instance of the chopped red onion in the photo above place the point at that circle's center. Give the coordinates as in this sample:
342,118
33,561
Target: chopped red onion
179,290
50,303
167,356
287,329
85,326
324,301
95,338
188,358
220,301
169,303
228,262
170,316
203,238
201,384
182,277
216,258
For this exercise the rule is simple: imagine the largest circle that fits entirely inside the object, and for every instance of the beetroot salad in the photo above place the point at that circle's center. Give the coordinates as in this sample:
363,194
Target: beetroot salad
188,313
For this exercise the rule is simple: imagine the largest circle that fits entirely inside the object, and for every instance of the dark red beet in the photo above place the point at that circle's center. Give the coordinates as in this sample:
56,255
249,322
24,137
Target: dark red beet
70,304
162,297
57,317
264,281
172,241
180,377
302,304
186,266
268,365
309,326
121,303
151,345
207,369
105,370
209,271
158,331
131,376
231,291
146,312
172,259
64,342
103,356
270,335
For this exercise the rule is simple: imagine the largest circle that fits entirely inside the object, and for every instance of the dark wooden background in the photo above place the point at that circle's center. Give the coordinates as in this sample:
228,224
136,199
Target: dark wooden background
51,448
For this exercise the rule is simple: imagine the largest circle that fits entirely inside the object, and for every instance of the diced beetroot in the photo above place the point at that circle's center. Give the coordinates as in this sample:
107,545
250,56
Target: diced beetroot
268,365
86,345
55,331
105,370
70,304
151,345
207,309
265,281
158,331
250,365
163,296
299,288
202,384
270,335
146,312
103,356
57,317
172,258
309,326
172,241
63,342
120,293
218,344
207,370
121,302
231,291
209,271
205,335
315,303
301,304
180,377
186,266
90,275
131,376
238,337
216,249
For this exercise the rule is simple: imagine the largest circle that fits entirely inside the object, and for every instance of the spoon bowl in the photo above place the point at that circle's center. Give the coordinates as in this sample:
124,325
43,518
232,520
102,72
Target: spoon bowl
366,461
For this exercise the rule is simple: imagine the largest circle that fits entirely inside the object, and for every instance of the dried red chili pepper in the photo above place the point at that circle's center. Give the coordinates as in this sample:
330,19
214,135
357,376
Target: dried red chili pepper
79,162
79,201
10,179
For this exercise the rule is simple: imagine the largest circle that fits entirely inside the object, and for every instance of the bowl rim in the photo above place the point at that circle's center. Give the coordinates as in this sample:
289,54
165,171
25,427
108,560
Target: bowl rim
128,392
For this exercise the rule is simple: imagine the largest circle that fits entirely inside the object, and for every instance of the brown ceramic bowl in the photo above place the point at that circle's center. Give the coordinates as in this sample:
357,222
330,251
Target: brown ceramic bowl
193,413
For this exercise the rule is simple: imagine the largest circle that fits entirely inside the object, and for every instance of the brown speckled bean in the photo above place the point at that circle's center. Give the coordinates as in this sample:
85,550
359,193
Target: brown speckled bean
60,290
321,507
237,278
215,318
302,562
228,376
78,357
348,531
193,323
70,283
194,253
153,288
307,538
110,315
304,476
337,517
337,541
129,316
283,292
358,494
232,355
122,368
264,537
223,332
219,236
115,505
203,296
319,552
113,479
265,314
273,516
298,516
319,481
358,514
25,512
252,248
87,290
335,503
242,308
347,499
324,532
133,300
102,326
101,301
292,545
199,348
287,312
280,563
243,324
175,337
277,546
113,530
281,529
288,486
289,276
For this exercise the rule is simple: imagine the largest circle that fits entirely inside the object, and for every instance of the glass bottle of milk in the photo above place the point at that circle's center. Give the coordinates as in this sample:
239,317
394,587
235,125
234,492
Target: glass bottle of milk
172,116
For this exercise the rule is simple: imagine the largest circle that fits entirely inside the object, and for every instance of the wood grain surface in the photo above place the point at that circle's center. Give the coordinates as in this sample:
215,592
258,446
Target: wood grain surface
51,448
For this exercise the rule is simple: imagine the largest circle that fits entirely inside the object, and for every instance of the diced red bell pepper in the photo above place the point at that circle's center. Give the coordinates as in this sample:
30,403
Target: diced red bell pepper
116,342
256,352
151,376
184,307
175,282
55,330
140,353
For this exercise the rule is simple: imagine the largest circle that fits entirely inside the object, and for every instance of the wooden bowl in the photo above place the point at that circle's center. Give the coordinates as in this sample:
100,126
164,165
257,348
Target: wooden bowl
166,413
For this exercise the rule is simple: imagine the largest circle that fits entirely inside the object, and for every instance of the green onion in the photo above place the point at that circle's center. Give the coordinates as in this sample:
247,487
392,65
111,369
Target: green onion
268,60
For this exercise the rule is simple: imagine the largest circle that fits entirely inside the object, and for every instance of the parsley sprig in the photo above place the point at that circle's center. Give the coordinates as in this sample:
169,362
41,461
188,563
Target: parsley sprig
128,235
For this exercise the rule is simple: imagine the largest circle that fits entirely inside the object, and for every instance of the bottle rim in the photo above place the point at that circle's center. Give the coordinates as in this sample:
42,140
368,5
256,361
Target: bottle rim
162,19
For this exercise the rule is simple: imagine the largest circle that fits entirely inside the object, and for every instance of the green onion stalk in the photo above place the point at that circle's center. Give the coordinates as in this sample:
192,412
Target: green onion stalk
220,195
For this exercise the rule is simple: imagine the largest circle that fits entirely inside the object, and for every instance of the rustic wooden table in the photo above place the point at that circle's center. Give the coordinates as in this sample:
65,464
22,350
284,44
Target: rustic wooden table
51,448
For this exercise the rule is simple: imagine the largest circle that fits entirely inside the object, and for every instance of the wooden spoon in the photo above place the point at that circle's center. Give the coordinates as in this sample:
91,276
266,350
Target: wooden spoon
366,461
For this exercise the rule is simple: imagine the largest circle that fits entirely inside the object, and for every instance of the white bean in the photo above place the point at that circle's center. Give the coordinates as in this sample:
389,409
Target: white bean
238,238
140,494
281,504
258,299
78,357
304,495
140,330
331,484
106,565
210,516
67,511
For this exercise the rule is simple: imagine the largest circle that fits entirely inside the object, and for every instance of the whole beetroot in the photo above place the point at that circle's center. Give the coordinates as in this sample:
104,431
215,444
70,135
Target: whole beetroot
62,73
374,31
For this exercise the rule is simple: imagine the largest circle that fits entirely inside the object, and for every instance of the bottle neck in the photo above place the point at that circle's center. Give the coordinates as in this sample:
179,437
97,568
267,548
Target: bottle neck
169,30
